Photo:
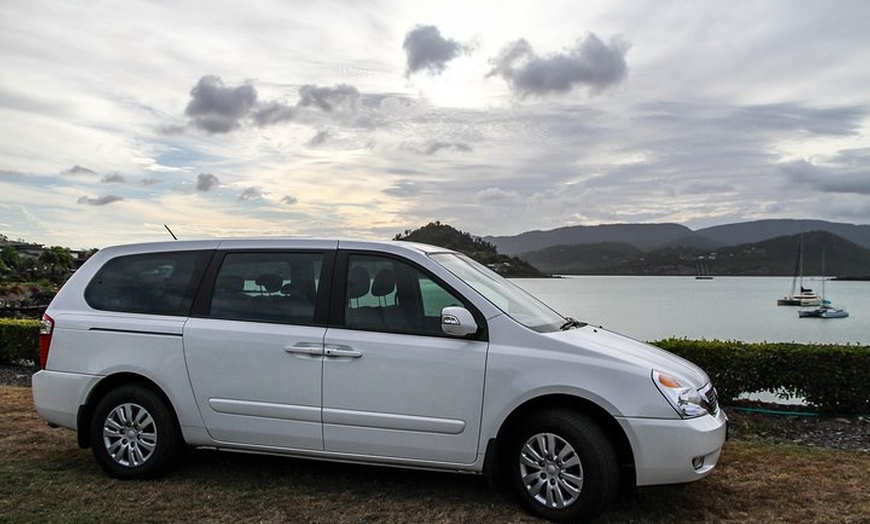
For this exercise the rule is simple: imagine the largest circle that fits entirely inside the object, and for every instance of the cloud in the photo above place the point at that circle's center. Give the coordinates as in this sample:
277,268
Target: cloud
150,181
273,113
206,181
114,178
318,139
218,109
435,147
590,63
172,130
427,50
251,193
493,194
342,96
215,108
99,201
828,179
78,170
404,188
289,200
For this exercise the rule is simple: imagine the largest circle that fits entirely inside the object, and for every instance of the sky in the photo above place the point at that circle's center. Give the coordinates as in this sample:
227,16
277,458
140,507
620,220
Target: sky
369,118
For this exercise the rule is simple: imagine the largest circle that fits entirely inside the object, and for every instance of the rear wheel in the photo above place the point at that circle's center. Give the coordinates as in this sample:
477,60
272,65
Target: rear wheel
134,434
562,466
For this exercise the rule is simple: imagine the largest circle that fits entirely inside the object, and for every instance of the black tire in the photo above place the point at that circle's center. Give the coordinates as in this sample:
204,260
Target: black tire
134,434
561,466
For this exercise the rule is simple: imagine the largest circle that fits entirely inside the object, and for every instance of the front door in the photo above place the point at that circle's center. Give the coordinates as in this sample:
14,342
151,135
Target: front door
393,384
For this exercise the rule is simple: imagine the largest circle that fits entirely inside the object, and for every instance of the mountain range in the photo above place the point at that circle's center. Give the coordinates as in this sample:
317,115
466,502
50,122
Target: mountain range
647,237
765,247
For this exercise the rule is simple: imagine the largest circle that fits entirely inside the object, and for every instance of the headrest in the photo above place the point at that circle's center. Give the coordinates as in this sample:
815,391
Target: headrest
270,282
358,282
384,283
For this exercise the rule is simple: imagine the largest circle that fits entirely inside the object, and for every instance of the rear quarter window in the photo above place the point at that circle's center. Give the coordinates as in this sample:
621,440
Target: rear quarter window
152,283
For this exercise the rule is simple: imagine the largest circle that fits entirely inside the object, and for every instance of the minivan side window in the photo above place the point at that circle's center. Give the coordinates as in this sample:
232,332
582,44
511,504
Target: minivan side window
279,287
385,294
152,283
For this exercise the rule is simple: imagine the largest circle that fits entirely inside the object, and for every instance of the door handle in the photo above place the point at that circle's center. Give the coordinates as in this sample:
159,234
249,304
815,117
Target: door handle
312,349
341,352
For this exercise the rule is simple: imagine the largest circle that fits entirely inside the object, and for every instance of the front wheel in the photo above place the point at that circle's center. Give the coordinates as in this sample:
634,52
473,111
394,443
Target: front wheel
133,434
562,466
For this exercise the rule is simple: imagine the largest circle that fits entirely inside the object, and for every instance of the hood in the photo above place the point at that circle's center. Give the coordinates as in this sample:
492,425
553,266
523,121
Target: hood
613,345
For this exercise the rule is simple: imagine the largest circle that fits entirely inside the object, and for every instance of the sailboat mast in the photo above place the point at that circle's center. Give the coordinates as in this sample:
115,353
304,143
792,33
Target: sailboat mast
798,266
801,262
823,274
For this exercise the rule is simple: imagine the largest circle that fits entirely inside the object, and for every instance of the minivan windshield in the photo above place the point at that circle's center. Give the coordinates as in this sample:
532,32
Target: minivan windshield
505,295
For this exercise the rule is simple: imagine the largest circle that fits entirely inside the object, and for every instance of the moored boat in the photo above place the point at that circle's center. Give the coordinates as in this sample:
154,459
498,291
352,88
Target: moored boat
806,296
826,309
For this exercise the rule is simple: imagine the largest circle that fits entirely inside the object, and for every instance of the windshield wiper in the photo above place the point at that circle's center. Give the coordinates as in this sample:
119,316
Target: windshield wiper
571,323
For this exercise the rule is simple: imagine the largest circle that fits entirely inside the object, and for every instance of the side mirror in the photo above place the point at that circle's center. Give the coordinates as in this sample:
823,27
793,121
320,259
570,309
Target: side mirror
457,322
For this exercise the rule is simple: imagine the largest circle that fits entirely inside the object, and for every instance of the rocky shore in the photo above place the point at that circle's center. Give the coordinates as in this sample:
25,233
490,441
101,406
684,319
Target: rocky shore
844,433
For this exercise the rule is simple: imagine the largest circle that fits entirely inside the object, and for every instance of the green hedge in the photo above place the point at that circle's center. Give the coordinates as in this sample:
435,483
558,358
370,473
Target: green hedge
19,341
830,378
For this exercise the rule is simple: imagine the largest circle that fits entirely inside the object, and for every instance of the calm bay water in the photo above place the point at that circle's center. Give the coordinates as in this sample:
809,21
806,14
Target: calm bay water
725,308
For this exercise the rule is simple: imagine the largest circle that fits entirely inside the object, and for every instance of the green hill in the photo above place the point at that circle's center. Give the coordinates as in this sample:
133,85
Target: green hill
446,236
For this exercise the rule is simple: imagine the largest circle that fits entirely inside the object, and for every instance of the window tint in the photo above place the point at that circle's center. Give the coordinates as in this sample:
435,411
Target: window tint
384,294
154,283
267,287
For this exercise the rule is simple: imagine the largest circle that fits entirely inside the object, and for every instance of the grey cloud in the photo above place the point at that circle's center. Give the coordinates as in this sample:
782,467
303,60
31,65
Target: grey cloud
289,200
78,170
218,109
215,108
427,50
318,139
114,178
494,194
342,96
829,179
206,181
836,121
857,183
172,130
435,147
99,201
705,187
251,193
590,63
273,113
7,172
150,181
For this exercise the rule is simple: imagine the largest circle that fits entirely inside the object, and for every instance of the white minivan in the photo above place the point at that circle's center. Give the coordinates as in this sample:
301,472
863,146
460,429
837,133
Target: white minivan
389,353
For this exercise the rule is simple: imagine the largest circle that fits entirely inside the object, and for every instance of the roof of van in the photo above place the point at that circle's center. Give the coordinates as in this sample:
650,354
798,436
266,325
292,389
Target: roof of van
277,242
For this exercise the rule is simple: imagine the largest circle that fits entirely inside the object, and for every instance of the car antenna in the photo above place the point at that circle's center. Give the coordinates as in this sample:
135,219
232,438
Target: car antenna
170,232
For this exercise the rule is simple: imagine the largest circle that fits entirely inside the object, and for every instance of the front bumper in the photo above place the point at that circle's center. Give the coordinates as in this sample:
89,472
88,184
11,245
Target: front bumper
675,451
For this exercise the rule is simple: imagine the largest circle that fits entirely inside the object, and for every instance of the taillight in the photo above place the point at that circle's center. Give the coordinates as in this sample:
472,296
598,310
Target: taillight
46,328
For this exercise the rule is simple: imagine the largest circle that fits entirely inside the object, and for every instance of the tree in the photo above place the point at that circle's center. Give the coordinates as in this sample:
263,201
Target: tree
58,260
10,258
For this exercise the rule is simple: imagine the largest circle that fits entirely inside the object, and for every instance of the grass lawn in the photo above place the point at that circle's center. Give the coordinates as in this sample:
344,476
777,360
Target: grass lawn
45,477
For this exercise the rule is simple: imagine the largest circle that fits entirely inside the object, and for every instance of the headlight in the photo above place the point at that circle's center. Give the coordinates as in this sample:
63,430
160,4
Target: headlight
685,399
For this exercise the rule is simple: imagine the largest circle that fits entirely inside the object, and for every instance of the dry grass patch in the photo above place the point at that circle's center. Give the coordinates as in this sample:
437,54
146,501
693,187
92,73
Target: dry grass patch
45,477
